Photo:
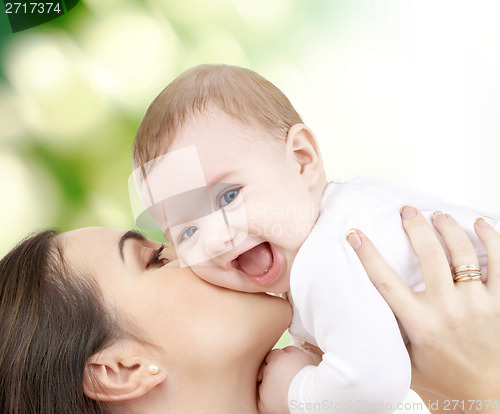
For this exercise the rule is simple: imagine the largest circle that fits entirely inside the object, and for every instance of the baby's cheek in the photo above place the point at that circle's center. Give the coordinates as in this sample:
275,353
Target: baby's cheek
208,271
260,227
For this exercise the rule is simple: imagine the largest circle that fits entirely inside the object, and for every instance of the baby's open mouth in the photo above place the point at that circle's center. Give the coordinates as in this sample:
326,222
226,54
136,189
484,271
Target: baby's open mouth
257,261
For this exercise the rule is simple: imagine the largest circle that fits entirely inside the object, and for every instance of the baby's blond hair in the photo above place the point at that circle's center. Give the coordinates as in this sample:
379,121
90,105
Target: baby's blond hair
239,92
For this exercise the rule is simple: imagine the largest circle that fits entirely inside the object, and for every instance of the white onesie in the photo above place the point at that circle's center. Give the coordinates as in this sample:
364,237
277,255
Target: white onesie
365,366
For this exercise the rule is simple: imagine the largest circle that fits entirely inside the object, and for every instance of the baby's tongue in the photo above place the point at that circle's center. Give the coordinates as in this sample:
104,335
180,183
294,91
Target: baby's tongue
257,260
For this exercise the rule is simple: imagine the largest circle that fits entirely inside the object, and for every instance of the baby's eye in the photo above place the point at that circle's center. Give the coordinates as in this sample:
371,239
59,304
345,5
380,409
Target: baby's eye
228,197
189,232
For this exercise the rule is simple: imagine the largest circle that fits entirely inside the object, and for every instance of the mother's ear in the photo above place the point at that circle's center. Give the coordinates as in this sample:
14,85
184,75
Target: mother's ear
122,371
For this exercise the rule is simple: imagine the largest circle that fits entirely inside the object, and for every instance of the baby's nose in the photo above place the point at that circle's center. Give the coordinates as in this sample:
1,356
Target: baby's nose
218,241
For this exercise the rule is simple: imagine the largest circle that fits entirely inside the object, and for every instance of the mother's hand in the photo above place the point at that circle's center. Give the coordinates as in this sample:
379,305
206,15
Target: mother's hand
454,328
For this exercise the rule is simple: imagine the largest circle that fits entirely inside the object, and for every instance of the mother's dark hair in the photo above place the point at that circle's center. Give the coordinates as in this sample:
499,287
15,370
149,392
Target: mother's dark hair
51,322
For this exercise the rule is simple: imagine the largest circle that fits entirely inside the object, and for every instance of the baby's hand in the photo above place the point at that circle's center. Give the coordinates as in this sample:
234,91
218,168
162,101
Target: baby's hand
278,370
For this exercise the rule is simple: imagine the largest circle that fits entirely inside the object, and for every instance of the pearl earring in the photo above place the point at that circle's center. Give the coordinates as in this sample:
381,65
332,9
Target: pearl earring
153,369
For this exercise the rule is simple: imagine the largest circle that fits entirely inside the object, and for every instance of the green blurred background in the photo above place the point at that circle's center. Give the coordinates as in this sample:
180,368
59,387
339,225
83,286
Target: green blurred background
404,90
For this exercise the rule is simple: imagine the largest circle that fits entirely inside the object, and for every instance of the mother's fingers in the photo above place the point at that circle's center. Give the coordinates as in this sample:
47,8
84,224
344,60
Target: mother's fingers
398,296
435,267
462,252
491,239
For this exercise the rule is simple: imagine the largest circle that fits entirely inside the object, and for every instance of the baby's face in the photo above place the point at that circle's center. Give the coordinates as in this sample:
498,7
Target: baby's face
242,227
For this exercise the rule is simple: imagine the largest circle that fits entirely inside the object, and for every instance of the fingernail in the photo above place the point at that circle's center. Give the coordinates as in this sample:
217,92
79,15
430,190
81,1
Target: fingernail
481,222
407,212
438,216
353,239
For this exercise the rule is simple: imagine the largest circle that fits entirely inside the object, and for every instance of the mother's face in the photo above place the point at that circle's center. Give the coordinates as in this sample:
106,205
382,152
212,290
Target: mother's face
175,310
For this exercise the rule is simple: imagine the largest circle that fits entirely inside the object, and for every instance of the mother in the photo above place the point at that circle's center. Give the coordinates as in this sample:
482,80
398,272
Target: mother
112,314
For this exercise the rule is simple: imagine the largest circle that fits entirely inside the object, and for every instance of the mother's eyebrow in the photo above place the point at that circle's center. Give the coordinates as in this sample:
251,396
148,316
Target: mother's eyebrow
131,234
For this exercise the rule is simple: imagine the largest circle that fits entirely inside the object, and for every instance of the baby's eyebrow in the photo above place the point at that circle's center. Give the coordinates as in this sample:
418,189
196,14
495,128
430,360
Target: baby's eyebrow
222,177
131,234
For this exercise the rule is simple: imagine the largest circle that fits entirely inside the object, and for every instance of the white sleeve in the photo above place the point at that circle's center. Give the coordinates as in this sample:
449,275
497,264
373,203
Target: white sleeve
383,227
365,368
380,216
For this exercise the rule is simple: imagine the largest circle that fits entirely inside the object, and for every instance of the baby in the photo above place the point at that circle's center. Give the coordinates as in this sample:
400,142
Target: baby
234,178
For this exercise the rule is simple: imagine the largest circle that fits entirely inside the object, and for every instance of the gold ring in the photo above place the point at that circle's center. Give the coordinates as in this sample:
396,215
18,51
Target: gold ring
466,268
468,277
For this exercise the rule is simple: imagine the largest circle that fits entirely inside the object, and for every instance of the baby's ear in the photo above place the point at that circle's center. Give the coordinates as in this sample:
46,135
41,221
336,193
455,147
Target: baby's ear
123,371
301,144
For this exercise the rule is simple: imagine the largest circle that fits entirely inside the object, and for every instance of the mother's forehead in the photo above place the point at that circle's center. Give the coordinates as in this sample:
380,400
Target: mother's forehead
91,232
104,238
90,240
